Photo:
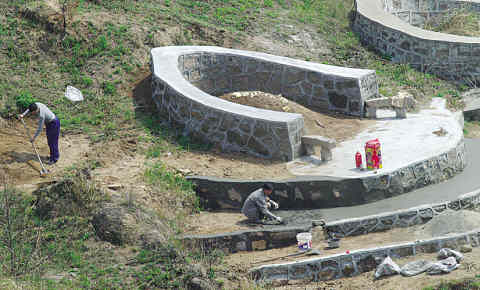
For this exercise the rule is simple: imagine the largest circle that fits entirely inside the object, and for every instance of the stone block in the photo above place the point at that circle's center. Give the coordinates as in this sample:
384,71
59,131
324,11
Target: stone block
371,112
241,246
328,273
326,154
275,272
427,247
259,245
366,264
337,100
316,140
293,76
450,243
314,77
348,269
402,251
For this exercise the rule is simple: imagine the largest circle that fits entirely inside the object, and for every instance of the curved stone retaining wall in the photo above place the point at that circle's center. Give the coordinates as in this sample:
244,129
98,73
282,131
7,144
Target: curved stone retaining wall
253,240
317,192
418,12
402,218
185,78
250,240
449,56
359,261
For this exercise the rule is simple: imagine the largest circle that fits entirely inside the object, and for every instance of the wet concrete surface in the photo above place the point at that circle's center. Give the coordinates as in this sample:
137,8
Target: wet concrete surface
464,182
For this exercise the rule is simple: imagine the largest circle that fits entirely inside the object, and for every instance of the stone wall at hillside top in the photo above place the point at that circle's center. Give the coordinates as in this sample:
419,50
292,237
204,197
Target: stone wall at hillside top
451,57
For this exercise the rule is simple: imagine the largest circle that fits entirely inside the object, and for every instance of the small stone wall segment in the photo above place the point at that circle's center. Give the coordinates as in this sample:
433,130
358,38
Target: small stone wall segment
185,78
251,240
316,192
403,218
451,57
471,111
359,261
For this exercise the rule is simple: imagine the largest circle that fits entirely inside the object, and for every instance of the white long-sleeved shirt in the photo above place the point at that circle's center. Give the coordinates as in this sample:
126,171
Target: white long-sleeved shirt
44,115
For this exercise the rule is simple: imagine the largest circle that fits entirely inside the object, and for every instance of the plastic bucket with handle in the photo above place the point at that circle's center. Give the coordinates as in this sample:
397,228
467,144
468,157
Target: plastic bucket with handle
304,241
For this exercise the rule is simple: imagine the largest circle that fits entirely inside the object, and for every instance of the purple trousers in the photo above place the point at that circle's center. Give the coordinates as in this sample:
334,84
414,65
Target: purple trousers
53,132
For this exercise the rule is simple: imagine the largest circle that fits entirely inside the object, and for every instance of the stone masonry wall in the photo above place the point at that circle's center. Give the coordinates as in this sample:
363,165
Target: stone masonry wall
218,74
251,240
359,261
401,218
228,130
451,57
318,192
416,13
185,78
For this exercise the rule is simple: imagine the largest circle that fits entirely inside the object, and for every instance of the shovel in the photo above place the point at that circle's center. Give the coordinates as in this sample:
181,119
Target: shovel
43,171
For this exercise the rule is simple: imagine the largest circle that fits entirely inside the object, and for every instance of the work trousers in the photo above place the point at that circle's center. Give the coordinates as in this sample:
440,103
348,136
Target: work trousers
53,132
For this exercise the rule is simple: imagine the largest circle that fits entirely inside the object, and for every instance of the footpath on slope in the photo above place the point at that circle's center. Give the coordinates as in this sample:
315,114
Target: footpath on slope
462,183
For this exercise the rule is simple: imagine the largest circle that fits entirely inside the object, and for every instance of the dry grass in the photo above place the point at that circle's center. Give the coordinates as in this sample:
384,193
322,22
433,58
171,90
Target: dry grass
456,21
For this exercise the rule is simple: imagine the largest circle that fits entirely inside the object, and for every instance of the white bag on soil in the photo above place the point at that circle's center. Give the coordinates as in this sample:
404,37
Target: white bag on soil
415,268
387,268
446,252
73,94
443,266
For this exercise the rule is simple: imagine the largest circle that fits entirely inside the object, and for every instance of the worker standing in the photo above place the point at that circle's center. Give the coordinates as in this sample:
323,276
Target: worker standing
52,126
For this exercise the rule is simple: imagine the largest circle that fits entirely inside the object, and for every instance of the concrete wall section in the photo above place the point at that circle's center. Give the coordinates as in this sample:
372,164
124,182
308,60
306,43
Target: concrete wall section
359,261
317,192
452,57
185,80
402,218
253,240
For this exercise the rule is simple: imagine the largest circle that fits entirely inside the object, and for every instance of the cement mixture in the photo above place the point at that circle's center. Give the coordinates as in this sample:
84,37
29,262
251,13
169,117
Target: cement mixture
450,222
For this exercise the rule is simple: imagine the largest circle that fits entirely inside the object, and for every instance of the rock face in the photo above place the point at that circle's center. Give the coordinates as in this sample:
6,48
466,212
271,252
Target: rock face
187,99
115,224
120,225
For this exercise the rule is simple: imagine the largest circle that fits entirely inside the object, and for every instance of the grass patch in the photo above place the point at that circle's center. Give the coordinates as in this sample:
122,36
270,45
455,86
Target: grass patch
461,21
464,284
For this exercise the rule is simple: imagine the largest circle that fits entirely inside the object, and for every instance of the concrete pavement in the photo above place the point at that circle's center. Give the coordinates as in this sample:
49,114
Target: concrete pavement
464,182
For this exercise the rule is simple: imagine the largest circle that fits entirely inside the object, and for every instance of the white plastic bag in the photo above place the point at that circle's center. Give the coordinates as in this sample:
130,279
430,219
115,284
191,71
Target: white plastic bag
387,268
443,266
415,268
446,252
73,94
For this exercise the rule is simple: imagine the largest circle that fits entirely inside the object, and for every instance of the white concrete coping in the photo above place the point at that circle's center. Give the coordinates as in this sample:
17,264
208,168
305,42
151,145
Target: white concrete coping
165,62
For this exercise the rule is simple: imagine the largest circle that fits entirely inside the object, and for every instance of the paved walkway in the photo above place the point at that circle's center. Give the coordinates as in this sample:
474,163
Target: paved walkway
404,142
464,182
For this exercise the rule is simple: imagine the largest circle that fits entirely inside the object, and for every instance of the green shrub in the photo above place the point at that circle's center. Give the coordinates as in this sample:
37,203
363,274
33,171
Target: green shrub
23,100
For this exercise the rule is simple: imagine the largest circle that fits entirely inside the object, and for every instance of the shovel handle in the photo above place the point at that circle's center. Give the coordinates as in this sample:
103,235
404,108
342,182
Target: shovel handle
43,171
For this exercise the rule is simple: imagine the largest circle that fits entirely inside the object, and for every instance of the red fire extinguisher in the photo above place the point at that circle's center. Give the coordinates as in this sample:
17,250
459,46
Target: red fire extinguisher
358,160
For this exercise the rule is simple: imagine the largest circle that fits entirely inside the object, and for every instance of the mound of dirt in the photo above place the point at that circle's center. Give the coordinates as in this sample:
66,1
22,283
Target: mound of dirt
449,223
329,124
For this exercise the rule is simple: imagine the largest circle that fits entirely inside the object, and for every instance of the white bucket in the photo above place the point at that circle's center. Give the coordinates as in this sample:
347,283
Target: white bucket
304,241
